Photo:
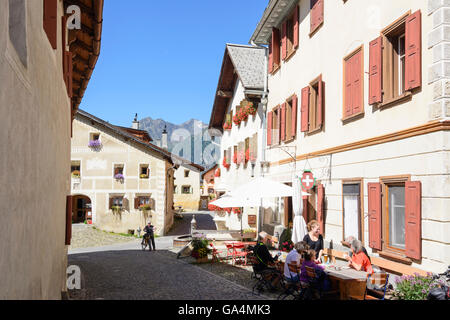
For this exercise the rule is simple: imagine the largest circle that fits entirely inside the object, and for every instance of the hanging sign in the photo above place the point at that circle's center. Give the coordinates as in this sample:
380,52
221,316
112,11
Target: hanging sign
307,180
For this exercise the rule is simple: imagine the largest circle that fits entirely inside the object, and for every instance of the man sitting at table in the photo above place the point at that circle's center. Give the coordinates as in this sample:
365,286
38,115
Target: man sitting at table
294,256
359,260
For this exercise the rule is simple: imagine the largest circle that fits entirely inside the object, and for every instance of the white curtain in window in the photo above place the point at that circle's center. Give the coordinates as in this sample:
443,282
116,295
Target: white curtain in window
351,220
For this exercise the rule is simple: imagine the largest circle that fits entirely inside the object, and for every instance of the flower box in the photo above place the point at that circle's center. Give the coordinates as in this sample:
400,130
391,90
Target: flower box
227,125
95,144
119,177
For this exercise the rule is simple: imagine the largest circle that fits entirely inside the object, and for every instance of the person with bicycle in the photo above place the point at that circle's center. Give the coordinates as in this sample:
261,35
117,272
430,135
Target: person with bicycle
149,235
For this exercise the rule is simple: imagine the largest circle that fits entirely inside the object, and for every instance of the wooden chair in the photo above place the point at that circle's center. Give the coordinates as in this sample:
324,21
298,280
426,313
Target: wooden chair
380,280
230,250
314,284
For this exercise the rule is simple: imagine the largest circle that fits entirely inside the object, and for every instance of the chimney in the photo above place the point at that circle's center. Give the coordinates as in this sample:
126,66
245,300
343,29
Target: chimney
135,124
164,144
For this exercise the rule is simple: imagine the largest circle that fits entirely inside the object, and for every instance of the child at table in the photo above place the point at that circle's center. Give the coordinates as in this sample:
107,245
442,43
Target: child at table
309,261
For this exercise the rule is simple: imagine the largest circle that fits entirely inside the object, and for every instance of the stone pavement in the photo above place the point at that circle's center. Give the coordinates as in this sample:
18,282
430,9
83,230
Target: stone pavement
85,236
155,275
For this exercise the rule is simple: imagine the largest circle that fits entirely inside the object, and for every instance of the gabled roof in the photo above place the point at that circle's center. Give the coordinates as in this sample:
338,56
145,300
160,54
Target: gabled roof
141,134
243,63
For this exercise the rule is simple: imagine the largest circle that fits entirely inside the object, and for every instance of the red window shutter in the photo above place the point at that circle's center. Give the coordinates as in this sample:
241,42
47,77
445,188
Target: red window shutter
413,219
294,116
320,104
50,21
136,203
305,208
317,14
348,107
271,55
284,40
279,125
68,220
269,128
357,71
283,122
305,110
276,46
413,51
374,204
320,208
296,27
375,70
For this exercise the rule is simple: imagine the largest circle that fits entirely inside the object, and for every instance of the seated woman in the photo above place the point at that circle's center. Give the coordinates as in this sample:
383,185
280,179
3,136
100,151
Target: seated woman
359,260
309,261
294,256
314,239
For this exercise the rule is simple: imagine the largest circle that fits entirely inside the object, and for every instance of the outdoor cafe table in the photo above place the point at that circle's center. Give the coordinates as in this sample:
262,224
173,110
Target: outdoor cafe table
349,281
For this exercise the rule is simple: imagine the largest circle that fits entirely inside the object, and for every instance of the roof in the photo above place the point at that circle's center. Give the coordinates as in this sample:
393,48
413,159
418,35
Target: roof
240,62
275,12
248,62
85,46
142,134
128,134
213,167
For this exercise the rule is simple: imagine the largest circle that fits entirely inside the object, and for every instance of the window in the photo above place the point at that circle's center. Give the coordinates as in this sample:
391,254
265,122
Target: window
118,171
144,171
290,118
18,29
142,201
395,61
75,169
186,173
276,121
186,190
396,216
313,106
274,51
115,201
351,202
174,189
289,29
353,84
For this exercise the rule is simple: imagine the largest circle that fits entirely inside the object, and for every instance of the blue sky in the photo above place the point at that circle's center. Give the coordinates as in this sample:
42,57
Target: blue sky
162,58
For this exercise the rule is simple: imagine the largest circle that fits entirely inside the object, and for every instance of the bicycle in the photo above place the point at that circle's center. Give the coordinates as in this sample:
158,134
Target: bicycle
145,243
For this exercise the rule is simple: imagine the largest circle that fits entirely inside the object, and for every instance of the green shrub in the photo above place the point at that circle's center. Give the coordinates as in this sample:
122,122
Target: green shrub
415,287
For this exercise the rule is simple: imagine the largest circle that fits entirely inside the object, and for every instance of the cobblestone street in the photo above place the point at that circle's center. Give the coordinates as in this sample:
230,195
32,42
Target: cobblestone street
85,236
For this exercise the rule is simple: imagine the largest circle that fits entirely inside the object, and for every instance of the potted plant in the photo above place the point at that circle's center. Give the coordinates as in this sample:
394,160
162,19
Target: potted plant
242,115
145,207
249,233
237,120
237,210
200,249
250,156
119,177
116,209
76,174
250,109
235,158
95,144
143,176
225,163
415,287
227,125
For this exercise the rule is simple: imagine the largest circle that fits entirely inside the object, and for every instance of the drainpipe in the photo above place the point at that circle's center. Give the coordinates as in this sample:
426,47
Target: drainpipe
264,101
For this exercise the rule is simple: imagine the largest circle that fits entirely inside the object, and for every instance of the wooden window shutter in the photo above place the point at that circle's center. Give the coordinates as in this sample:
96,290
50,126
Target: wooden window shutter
294,116
283,122
357,71
317,14
375,70
348,106
271,55
413,219
296,27
111,202
374,203
279,125
68,220
305,110
413,51
284,40
136,203
305,208
320,208
276,46
269,128
50,21
320,103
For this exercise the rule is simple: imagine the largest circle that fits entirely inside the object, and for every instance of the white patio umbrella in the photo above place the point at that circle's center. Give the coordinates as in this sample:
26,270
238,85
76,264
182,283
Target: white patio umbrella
299,225
230,201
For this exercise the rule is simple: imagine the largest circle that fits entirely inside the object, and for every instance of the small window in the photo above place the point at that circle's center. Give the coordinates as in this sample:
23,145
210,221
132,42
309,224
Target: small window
116,202
186,190
314,105
394,63
186,173
174,189
75,169
118,171
144,171
276,126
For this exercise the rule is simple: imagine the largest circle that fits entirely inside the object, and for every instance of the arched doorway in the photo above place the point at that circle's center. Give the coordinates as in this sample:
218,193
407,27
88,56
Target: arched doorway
81,209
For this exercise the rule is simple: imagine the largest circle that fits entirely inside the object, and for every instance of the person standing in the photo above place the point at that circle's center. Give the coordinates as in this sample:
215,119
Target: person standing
149,232
314,239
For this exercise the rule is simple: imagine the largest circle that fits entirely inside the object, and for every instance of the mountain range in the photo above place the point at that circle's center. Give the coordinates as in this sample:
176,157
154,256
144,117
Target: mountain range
189,135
